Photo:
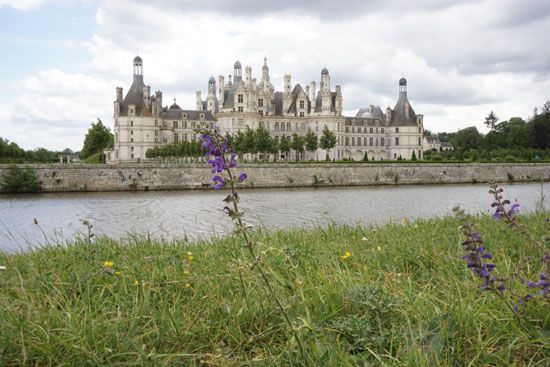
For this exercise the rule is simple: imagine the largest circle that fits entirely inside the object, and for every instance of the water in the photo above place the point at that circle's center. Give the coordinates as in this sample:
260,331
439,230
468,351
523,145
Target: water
198,214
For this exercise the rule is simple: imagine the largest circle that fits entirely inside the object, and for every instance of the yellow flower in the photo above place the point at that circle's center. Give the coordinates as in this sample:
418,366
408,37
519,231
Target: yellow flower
136,282
186,272
190,257
379,248
189,253
187,285
118,273
108,264
345,256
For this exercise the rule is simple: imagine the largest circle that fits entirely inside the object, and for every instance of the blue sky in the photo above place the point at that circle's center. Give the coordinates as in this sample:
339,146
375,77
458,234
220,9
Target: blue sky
62,59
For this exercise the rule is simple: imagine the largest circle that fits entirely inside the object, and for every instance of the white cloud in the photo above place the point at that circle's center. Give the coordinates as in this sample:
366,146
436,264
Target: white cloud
22,5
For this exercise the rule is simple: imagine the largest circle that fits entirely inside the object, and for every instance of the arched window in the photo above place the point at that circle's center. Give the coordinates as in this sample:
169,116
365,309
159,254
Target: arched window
276,126
288,126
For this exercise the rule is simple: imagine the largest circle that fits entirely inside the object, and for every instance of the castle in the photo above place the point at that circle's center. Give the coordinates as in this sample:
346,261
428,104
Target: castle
142,122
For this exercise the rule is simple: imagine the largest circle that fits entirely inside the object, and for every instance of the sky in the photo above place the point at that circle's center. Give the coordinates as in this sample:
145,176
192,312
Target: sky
61,60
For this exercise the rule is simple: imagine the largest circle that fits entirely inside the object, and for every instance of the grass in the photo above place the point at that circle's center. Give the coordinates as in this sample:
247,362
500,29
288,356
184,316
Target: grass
403,297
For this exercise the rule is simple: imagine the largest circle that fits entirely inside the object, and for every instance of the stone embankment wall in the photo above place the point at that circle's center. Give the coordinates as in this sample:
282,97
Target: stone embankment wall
147,176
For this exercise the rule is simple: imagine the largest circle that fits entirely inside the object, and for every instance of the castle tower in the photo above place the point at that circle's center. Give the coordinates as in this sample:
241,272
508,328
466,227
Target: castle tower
265,71
326,97
211,100
237,72
138,68
287,93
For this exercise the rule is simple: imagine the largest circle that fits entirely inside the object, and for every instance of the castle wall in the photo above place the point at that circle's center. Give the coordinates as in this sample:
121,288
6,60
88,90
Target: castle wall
148,176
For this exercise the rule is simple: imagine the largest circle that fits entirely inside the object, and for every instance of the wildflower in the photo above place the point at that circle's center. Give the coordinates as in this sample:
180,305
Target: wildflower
190,258
379,248
118,273
108,264
364,239
219,182
189,253
186,272
136,282
2,267
242,177
187,285
345,256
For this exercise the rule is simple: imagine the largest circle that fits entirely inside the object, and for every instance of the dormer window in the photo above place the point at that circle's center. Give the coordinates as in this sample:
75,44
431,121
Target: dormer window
302,104
239,98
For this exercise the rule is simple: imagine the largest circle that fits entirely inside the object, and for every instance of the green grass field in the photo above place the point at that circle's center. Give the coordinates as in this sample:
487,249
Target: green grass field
402,296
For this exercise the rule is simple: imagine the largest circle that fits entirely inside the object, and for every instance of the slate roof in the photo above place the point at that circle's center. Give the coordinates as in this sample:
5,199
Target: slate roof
135,97
376,112
176,114
362,121
398,116
278,103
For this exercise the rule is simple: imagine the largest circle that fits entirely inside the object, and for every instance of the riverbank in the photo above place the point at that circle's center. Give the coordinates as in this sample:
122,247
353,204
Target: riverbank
399,294
151,176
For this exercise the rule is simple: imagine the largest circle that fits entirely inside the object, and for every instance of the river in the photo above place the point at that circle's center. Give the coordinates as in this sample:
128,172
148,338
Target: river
199,214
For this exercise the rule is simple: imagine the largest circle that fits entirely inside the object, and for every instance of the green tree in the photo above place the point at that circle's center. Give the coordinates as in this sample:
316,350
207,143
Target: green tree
413,157
491,120
298,144
312,142
18,180
468,138
264,142
328,140
539,126
249,142
366,156
99,137
284,146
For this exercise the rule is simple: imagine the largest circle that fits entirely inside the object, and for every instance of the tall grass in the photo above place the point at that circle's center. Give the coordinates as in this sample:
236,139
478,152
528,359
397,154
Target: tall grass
402,297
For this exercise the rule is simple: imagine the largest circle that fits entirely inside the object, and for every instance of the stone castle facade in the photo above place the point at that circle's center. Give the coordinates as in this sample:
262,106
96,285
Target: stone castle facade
240,102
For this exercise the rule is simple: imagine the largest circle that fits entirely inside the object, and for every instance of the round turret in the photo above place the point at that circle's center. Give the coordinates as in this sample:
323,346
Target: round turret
237,65
137,60
175,106
402,81
211,80
324,71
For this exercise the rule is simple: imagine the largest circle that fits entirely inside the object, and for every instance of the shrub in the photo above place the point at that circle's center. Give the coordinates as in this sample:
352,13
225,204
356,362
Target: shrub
20,180
510,158
437,158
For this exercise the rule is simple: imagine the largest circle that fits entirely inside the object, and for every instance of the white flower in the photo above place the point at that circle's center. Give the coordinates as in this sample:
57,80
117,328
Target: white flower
364,238
2,267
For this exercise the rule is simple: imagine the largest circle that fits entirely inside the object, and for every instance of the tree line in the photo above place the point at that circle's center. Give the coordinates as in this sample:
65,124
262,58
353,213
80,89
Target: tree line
256,144
511,138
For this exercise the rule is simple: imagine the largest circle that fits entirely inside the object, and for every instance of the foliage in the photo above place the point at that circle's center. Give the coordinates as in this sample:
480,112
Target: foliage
10,152
97,139
180,149
20,180
298,144
96,158
284,146
413,157
264,142
312,142
366,157
328,140
491,120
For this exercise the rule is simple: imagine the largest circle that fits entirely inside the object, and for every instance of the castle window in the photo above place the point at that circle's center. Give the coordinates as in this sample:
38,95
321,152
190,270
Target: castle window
347,140
131,110
131,140
382,141
261,112
282,126
185,136
156,139
347,129
301,104
276,126
365,141
359,140
396,129
131,123
184,115
382,130
192,124
376,141
370,130
154,110
184,124
352,129
240,108
176,137
132,156
131,132
370,141
419,140
420,130
175,124
260,102
359,129
396,140
156,133
377,130
156,122
301,114
352,141
239,98
201,116
131,149
288,126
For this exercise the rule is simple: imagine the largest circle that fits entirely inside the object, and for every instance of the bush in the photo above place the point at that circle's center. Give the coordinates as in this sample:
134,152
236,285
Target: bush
510,158
96,158
437,158
19,180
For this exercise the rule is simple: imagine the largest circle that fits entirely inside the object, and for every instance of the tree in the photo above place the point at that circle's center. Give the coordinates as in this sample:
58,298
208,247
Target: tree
312,142
491,120
328,140
298,144
249,142
264,141
99,137
413,157
539,127
366,157
284,146
468,138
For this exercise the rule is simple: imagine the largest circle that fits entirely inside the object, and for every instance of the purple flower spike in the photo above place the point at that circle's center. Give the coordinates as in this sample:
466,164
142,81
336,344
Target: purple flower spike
219,182
514,209
242,177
